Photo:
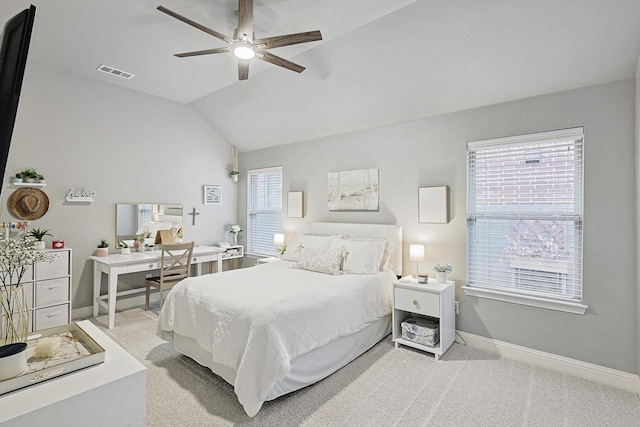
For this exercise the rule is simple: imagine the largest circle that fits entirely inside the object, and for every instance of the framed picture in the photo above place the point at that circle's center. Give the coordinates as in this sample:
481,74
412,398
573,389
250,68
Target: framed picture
433,205
355,190
295,204
212,195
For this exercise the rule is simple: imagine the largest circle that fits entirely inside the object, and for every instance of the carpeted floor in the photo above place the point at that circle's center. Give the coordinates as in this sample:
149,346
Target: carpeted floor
383,387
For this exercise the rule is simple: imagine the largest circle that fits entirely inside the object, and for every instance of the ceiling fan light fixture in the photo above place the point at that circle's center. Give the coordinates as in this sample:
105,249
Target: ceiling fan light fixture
244,45
244,50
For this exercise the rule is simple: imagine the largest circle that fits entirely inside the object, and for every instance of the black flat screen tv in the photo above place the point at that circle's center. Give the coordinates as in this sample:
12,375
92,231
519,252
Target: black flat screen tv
14,46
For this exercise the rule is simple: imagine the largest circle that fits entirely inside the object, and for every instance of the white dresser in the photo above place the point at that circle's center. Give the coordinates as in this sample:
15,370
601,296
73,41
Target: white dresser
48,287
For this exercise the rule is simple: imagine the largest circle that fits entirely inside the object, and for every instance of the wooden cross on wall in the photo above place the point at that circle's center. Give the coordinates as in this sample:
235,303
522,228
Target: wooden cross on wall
194,213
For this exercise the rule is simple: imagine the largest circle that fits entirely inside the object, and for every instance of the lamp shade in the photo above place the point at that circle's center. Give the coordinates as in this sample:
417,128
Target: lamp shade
416,252
278,239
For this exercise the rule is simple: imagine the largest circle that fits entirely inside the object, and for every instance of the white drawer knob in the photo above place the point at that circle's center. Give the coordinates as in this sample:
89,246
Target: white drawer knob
415,302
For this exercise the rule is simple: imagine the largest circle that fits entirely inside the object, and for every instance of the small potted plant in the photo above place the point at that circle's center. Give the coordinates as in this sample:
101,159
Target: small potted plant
39,234
281,250
234,175
139,243
442,270
18,178
29,175
124,249
103,248
40,179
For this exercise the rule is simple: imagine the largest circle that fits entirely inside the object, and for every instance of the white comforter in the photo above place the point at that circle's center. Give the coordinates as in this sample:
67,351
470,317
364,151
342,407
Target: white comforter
256,320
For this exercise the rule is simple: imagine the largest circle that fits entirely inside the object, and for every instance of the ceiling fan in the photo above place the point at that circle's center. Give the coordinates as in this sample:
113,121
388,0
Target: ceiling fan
243,44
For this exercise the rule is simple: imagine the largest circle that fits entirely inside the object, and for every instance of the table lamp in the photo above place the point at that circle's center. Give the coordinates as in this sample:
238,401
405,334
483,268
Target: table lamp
416,254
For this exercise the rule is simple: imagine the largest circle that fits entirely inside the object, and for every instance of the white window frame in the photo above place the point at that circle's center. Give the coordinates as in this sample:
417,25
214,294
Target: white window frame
500,291
260,242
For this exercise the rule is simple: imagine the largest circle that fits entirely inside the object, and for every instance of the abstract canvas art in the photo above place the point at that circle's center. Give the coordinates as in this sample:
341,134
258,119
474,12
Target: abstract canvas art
355,190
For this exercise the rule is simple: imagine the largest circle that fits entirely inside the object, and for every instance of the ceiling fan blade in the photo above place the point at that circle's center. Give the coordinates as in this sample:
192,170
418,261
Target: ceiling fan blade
245,19
203,52
289,39
243,69
195,24
276,60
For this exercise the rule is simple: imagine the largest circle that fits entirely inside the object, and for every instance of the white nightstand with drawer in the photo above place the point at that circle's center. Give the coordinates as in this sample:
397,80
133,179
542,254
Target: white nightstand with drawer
434,300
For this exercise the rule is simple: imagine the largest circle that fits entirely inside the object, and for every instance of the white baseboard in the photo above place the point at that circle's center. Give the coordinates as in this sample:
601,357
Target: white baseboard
123,303
611,377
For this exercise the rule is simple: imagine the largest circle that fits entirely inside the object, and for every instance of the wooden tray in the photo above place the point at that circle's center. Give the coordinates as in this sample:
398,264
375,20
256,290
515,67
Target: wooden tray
77,351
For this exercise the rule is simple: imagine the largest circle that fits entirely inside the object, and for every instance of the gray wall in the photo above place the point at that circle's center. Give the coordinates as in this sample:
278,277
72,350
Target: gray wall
433,152
128,147
637,159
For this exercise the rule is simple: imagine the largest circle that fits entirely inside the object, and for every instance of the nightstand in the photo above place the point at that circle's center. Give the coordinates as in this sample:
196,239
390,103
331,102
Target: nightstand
435,300
267,260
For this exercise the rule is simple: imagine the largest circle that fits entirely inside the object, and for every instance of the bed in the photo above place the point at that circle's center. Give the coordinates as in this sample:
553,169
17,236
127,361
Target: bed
274,328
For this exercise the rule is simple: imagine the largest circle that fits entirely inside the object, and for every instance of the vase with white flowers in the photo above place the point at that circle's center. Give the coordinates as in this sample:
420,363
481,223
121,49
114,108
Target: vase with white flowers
442,271
16,258
235,229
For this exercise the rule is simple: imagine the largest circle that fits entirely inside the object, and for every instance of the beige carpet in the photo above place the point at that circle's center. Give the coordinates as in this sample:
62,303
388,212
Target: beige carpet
383,387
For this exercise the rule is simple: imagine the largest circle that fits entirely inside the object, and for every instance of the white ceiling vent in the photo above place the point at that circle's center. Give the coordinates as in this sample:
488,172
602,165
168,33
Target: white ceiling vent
116,72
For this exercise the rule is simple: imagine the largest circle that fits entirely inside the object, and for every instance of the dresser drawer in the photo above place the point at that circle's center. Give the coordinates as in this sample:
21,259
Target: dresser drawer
54,291
28,290
51,317
59,267
417,302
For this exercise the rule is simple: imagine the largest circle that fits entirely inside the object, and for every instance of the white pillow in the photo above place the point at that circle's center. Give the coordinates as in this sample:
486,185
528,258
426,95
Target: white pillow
361,257
386,254
308,241
320,261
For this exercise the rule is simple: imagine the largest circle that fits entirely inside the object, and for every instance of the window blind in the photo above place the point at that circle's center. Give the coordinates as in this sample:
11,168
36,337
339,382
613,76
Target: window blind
264,209
524,214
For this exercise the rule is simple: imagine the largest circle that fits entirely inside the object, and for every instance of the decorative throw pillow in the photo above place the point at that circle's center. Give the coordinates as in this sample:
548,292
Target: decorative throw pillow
361,257
320,261
386,254
309,242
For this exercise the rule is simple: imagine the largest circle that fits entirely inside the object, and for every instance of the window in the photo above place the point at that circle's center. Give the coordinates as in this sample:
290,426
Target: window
524,219
144,215
264,209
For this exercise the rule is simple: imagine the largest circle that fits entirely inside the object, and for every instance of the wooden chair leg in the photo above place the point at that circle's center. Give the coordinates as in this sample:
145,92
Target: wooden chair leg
146,305
160,297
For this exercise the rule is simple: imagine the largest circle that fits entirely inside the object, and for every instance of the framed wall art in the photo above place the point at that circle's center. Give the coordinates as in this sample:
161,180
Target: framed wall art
355,190
212,195
295,204
433,205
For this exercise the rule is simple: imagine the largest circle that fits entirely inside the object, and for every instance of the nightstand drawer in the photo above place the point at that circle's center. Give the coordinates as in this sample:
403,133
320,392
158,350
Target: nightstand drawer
417,302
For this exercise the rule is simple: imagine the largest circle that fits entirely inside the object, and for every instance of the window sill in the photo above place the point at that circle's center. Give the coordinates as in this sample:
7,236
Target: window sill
566,306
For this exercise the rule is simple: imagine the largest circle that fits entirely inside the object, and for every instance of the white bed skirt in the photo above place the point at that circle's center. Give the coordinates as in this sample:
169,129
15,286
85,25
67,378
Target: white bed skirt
306,369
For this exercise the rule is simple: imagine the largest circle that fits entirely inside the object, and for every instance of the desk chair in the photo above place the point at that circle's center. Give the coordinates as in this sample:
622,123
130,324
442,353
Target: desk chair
175,265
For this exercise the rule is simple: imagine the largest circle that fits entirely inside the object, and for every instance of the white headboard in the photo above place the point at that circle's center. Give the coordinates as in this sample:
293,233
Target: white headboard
373,231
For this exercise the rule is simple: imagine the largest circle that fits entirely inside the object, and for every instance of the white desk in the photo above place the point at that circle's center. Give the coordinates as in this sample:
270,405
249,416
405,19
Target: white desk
112,393
116,264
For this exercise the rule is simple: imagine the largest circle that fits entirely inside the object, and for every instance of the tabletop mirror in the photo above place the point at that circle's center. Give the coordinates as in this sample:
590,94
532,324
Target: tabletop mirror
146,219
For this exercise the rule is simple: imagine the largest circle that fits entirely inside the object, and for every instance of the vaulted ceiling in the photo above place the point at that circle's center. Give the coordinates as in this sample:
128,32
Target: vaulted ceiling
380,61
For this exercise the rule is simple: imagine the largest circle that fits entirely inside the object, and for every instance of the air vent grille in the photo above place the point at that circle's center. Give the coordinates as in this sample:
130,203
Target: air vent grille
116,72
